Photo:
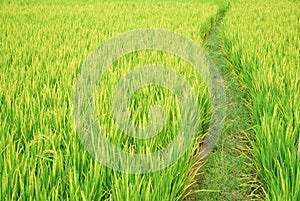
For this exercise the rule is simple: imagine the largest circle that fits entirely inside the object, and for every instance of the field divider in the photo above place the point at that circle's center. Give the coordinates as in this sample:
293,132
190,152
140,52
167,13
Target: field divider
213,182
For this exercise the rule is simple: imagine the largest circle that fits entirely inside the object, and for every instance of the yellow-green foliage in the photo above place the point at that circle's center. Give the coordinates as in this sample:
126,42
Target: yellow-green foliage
42,46
262,41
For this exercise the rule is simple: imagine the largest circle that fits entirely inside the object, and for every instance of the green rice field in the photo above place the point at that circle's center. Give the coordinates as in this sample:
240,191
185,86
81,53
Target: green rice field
255,46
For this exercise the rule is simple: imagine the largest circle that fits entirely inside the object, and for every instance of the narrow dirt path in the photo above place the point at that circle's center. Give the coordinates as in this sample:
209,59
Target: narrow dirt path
224,173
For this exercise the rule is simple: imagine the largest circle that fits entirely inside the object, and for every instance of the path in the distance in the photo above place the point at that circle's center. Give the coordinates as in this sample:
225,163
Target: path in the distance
223,172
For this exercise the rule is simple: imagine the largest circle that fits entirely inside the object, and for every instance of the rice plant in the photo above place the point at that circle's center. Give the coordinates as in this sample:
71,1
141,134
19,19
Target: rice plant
42,45
261,40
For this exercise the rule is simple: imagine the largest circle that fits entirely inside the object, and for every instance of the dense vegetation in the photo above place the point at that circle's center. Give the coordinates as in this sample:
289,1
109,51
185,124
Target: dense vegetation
261,40
43,45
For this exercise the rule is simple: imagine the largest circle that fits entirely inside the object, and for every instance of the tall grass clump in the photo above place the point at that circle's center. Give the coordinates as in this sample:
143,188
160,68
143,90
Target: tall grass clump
261,40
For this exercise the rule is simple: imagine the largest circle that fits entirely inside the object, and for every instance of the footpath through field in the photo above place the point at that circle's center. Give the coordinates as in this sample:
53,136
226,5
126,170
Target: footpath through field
255,44
222,177
256,47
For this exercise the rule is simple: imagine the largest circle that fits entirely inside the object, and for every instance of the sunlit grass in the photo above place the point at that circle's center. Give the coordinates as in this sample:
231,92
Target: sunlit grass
262,42
42,48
